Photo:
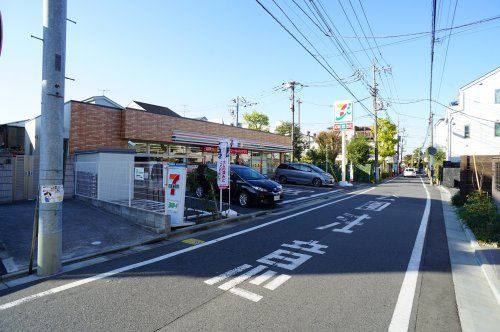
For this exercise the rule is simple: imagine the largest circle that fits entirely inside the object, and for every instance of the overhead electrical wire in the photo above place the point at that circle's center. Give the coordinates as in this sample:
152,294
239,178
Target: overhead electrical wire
325,65
447,47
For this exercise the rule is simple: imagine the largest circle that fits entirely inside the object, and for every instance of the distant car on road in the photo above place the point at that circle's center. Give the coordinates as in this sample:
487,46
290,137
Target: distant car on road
409,172
247,185
302,173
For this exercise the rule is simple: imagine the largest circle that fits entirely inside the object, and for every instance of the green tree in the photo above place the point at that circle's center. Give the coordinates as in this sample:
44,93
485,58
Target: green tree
416,156
387,140
257,121
285,128
407,160
439,157
358,151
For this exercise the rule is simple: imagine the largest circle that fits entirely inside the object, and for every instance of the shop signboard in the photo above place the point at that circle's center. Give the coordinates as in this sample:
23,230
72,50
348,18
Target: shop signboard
343,115
175,194
223,165
214,149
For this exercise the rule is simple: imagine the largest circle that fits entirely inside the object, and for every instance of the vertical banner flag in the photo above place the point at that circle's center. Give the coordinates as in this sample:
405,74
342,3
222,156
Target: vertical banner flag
175,193
223,165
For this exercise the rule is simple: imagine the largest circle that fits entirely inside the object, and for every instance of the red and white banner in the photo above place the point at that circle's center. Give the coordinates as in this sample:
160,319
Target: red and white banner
214,149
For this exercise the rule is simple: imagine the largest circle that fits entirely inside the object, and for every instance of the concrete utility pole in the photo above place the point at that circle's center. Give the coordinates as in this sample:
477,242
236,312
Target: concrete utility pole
298,103
240,101
291,85
375,110
51,134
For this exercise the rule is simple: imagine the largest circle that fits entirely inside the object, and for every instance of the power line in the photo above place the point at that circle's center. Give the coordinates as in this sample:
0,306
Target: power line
489,19
330,71
447,46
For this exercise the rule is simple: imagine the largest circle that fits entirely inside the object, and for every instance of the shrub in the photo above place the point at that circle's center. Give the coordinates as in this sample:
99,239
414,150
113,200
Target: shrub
457,200
480,214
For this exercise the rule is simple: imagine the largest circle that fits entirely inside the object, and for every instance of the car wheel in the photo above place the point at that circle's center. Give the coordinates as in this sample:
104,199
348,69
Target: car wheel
282,179
199,192
244,199
316,182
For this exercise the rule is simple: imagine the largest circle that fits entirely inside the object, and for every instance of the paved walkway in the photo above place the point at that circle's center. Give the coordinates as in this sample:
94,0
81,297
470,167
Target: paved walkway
477,285
86,230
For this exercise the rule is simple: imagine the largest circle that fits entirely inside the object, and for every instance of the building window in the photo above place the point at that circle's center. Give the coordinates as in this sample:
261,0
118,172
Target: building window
497,129
466,131
497,96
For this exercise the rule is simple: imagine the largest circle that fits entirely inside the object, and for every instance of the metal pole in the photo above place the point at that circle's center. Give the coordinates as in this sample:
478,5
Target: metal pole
376,122
292,107
51,134
237,111
343,157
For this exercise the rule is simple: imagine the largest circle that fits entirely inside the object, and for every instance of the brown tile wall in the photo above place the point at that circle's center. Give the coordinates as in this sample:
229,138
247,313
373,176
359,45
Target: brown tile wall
139,125
94,126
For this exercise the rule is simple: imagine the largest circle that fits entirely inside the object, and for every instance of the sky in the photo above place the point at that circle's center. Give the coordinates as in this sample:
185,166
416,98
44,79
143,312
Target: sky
194,56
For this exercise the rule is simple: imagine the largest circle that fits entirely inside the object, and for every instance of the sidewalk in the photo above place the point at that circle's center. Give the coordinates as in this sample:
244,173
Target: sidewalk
87,230
477,285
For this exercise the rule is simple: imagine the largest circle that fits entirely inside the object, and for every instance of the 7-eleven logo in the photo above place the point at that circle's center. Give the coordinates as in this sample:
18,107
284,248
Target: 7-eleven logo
174,178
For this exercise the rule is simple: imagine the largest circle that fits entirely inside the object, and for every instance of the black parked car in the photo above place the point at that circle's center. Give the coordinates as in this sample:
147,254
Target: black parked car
247,185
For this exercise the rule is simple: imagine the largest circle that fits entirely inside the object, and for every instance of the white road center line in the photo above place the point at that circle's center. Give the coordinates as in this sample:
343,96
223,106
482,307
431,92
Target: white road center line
402,312
227,274
278,281
167,256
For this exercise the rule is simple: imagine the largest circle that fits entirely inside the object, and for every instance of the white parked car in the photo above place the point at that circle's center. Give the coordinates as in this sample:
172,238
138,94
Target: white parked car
409,172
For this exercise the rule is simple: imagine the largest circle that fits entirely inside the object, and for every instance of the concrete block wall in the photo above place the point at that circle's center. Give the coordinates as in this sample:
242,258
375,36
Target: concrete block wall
6,179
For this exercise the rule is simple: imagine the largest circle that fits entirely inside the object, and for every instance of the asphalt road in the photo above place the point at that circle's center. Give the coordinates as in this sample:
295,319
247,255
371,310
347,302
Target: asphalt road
341,264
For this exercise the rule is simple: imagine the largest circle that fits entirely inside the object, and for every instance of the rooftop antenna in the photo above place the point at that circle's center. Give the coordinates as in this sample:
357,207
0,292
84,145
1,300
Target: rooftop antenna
104,91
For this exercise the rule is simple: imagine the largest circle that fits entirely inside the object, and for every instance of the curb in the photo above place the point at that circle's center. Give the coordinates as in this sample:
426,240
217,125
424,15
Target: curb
181,231
482,261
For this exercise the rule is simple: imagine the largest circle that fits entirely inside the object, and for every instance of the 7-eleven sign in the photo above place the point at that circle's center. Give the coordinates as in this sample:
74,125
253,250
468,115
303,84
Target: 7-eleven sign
175,194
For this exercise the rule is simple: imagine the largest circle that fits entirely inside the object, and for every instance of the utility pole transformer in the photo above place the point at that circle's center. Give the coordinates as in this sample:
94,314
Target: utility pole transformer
51,134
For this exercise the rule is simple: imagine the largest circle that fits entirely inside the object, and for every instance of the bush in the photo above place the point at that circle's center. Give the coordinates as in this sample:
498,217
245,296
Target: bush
457,199
480,214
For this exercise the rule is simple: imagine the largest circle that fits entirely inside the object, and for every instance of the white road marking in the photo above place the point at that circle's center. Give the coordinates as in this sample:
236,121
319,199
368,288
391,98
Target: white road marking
263,277
347,228
279,255
310,196
402,312
311,246
246,294
278,281
329,225
373,206
244,276
167,256
227,274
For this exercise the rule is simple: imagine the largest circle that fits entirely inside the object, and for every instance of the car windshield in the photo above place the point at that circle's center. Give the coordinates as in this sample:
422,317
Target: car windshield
316,169
409,169
247,173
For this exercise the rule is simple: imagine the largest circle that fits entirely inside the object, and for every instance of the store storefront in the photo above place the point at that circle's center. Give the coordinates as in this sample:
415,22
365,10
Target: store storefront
157,133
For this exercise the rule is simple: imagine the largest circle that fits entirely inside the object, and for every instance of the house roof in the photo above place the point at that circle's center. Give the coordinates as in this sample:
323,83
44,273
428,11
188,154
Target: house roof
102,100
477,80
152,108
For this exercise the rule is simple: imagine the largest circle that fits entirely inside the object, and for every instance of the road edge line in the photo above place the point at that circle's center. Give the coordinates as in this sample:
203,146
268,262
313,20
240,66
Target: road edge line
402,312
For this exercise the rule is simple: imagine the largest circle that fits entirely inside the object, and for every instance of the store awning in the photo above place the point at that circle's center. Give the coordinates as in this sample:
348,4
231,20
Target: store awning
185,137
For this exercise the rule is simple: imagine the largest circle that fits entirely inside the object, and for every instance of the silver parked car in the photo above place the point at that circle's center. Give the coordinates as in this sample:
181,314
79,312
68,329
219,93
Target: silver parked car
302,173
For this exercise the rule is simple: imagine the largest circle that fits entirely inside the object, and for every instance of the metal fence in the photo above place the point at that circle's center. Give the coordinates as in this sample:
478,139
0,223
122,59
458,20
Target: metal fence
139,185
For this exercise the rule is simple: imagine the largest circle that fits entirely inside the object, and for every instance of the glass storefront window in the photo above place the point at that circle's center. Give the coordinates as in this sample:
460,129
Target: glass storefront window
177,149
256,161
